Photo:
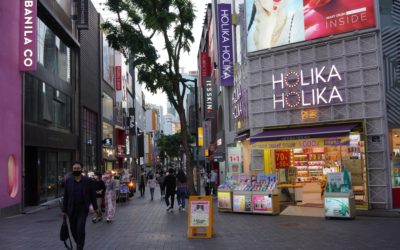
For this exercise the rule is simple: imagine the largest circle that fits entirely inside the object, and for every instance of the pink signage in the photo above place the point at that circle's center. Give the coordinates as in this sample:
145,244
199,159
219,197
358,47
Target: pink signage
27,38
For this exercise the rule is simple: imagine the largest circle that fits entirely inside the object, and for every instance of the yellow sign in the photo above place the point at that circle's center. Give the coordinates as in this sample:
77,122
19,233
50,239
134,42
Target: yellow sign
309,114
305,143
200,136
200,217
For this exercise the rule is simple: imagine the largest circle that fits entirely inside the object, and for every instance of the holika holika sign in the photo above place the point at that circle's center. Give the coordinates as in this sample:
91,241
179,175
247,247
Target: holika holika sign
307,88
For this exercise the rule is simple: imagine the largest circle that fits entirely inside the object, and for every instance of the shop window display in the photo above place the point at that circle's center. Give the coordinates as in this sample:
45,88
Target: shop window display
302,166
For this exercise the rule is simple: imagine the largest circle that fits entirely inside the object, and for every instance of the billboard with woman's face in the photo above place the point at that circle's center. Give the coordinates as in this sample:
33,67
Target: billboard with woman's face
272,23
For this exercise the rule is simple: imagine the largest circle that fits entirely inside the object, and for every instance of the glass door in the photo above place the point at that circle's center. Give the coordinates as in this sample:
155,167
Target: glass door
51,167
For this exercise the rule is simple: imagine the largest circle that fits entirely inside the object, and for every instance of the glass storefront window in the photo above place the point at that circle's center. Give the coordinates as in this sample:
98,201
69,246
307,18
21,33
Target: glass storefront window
53,53
89,140
305,162
46,105
108,63
108,104
395,156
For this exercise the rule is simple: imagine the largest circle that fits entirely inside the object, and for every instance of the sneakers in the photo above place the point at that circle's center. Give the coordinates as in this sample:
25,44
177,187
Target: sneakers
170,210
180,207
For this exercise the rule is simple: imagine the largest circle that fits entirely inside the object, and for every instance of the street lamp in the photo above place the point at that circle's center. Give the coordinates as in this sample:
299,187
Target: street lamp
196,104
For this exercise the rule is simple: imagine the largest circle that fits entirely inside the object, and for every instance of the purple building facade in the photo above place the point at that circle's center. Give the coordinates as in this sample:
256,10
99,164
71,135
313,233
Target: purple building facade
11,110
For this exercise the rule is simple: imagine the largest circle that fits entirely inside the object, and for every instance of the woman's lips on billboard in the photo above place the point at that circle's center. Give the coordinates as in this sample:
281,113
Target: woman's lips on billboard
12,176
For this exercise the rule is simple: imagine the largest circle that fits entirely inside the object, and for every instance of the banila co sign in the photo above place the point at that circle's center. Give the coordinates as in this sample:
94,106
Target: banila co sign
316,87
225,44
27,38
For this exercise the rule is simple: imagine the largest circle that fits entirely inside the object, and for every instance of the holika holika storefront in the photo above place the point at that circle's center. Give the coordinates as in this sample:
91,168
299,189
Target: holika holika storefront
318,107
302,156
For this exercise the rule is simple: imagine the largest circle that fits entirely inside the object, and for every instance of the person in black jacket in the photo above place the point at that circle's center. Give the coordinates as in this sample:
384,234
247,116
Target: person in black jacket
100,189
79,193
170,184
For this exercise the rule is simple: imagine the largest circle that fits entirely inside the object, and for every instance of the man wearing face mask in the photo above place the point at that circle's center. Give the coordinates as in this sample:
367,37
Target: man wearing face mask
79,193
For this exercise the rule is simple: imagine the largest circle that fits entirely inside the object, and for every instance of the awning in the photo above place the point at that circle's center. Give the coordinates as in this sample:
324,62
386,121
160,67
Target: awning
242,136
304,133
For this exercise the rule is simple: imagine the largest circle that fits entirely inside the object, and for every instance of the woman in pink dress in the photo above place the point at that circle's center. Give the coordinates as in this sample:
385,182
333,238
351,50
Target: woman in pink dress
110,196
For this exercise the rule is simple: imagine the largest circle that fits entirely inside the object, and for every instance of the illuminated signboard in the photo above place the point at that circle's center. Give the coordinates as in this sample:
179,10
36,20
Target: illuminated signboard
306,89
28,31
275,23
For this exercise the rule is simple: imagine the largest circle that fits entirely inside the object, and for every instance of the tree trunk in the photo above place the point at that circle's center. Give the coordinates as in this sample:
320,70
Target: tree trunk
186,147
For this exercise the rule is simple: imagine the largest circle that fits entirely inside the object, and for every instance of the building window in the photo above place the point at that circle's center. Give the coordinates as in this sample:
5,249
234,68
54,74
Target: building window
108,63
53,53
108,104
46,105
89,140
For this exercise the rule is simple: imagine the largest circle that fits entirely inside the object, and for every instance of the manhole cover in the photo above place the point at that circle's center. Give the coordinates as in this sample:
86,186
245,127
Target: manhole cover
291,225
46,221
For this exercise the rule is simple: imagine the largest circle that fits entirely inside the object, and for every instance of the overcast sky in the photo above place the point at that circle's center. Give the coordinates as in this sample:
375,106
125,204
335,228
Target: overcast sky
188,61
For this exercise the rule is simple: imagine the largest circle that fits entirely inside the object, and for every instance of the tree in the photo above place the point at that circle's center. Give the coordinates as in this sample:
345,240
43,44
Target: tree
170,144
137,25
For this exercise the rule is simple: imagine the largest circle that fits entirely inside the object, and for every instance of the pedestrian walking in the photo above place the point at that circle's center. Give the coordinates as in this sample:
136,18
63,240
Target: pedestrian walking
100,189
152,183
79,194
110,196
206,183
160,180
181,189
142,183
170,185
213,182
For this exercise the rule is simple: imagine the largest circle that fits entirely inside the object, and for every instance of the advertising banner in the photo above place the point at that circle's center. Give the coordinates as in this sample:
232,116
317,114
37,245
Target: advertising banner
242,203
337,207
234,160
199,213
28,31
224,200
275,23
225,44
282,158
262,203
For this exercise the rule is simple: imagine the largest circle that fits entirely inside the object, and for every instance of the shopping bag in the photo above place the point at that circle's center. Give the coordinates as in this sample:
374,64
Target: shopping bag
64,233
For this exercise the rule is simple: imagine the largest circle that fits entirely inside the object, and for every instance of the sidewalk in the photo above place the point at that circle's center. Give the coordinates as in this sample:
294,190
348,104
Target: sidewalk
144,224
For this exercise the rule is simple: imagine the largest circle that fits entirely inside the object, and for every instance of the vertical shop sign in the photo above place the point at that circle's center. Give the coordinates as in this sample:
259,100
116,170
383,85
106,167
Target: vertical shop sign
28,30
118,82
83,15
131,121
225,44
210,99
205,67
282,158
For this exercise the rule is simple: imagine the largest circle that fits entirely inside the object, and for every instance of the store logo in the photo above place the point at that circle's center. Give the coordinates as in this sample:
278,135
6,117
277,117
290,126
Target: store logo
28,35
296,89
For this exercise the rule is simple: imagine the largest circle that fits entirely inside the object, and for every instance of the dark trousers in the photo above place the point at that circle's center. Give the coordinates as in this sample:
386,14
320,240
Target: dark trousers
162,189
142,188
152,193
167,196
77,223
181,196
213,188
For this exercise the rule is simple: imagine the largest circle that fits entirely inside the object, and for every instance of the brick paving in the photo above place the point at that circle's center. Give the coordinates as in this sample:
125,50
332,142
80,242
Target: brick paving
144,224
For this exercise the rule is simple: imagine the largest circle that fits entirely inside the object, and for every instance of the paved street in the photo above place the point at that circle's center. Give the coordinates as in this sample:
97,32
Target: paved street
143,224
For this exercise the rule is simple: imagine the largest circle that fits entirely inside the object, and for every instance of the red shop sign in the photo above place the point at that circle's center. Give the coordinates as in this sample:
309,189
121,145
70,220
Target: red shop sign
282,158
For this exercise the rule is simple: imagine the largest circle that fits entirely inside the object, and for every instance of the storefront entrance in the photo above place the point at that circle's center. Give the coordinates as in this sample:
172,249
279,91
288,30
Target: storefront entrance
302,161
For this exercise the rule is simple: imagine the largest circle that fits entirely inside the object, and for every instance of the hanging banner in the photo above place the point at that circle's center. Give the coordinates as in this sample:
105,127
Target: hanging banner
205,67
225,44
118,81
83,15
28,31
